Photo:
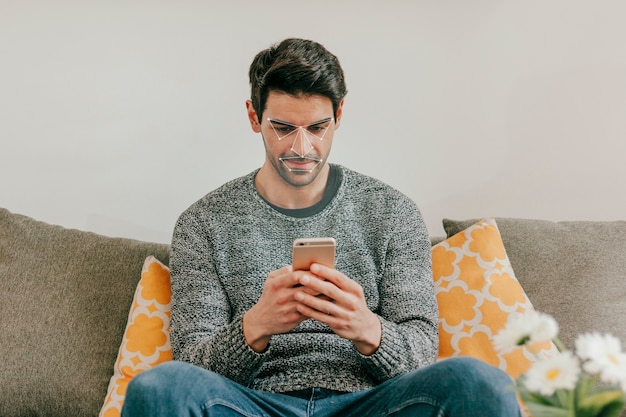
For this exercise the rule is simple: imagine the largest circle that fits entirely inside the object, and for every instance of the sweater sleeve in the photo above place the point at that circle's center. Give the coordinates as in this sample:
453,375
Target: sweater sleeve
202,329
408,306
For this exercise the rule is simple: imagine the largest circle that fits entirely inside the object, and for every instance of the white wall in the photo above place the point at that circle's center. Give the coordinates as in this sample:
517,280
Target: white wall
116,115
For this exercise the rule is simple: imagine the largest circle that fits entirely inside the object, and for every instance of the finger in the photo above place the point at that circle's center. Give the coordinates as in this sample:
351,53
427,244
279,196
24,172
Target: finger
285,277
312,292
333,283
332,275
311,313
320,304
280,272
317,286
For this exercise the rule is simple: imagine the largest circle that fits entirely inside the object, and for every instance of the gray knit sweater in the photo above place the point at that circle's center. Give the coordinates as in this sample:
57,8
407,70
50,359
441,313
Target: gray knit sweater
225,245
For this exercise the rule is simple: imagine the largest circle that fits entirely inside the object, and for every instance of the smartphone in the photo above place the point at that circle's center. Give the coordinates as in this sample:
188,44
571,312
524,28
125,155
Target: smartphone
319,250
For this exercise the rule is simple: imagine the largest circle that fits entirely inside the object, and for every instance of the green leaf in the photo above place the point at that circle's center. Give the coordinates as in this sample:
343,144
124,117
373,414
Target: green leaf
600,399
566,398
585,385
612,410
541,410
533,397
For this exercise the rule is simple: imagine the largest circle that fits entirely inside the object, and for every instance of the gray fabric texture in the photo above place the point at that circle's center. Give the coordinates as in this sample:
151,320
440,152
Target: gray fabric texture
575,271
226,244
64,301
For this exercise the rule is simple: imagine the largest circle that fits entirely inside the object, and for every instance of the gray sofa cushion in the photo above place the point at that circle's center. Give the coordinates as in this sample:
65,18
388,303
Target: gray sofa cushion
575,271
64,301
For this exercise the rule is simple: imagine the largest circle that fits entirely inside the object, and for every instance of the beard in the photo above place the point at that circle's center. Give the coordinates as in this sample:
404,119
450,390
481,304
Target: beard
298,171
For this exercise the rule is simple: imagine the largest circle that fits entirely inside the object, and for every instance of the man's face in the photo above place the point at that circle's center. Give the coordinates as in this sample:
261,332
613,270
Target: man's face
297,134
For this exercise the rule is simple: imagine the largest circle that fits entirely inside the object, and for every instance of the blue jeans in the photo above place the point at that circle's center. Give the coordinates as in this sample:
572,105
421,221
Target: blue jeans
456,387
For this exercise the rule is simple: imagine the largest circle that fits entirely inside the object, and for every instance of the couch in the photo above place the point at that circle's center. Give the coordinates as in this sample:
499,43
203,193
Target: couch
65,296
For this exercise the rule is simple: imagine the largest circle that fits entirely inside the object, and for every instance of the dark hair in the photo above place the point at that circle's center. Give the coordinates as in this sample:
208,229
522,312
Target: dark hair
296,67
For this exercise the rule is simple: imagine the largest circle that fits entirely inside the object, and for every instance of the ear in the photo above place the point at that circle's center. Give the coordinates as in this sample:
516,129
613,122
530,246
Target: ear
339,114
253,117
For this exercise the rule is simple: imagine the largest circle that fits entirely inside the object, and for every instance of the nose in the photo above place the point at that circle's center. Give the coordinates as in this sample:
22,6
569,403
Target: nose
301,143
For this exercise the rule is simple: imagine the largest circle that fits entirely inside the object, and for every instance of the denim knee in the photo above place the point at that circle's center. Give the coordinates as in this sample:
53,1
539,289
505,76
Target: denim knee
151,381
162,378
465,364
482,384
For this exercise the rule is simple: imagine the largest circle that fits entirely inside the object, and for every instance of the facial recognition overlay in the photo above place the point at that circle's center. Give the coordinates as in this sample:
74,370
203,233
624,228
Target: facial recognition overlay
303,138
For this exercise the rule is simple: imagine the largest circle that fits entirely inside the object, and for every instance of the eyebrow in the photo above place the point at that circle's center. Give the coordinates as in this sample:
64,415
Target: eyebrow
282,123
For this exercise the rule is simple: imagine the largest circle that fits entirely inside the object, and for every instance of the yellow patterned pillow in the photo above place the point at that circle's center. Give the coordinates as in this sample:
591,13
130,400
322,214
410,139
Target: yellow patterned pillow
146,341
476,292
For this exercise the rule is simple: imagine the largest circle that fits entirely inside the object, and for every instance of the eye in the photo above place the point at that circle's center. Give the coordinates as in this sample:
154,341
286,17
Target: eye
283,129
317,129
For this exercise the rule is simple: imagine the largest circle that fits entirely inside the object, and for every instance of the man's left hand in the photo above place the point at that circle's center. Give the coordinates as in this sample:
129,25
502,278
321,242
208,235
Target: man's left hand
341,305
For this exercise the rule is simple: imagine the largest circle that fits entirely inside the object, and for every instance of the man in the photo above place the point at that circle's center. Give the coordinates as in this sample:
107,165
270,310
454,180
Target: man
253,337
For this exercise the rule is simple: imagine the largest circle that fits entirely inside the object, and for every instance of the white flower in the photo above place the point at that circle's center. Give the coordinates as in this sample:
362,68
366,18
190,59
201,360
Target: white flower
545,328
603,355
549,374
531,326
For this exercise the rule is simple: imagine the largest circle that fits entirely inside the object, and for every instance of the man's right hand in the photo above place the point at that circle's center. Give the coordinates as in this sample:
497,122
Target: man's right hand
275,312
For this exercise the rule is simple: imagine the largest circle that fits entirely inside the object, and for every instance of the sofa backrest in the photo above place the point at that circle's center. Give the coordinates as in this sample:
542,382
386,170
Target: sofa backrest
64,302
572,270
